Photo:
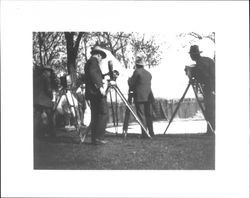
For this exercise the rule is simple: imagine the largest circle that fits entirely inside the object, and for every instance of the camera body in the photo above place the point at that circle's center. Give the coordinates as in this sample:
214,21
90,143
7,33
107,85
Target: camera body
113,74
66,81
190,71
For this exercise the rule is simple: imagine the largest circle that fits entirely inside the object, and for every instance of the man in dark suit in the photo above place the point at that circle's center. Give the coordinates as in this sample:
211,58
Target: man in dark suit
95,92
45,85
140,83
204,72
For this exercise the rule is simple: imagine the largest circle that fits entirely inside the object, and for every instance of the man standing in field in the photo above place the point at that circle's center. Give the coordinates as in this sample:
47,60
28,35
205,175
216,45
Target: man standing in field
204,73
140,84
95,92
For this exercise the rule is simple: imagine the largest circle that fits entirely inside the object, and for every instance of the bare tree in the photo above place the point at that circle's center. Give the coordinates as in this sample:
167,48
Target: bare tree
48,49
72,43
148,48
194,36
116,43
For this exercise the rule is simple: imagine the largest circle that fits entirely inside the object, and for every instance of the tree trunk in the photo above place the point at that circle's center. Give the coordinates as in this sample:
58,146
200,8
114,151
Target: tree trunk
72,51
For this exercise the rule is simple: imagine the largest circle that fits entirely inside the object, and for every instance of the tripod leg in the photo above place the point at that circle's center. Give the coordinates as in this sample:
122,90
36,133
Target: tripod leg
116,113
130,108
202,109
113,111
84,134
75,114
57,102
54,109
127,115
178,105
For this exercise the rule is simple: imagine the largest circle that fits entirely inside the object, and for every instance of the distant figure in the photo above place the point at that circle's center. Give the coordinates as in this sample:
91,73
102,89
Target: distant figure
96,93
140,84
44,86
204,73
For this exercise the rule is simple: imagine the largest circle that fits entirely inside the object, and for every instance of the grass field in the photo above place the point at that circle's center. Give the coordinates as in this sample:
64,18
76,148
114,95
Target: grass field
163,152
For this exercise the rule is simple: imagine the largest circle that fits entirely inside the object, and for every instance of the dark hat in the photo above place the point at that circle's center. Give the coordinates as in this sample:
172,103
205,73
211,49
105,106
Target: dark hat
140,61
194,49
98,50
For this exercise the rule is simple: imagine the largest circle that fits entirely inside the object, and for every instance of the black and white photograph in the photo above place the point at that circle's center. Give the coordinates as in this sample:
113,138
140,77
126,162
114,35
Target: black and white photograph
125,99
127,86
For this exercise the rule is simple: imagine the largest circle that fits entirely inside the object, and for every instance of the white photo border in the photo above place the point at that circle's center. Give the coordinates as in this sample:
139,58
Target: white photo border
230,22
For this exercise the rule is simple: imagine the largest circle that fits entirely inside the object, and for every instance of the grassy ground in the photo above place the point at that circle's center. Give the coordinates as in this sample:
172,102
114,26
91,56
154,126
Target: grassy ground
163,152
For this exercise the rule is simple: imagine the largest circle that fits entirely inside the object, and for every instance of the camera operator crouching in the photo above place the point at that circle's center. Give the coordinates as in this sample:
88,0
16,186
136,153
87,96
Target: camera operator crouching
204,73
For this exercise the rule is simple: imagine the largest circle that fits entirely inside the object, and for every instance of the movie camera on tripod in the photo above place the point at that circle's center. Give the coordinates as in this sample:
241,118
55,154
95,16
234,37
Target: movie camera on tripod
113,74
194,81
67,92
193,75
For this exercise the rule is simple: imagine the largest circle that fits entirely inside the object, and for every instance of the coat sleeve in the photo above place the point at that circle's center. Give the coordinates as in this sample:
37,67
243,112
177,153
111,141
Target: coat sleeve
95,74
132,80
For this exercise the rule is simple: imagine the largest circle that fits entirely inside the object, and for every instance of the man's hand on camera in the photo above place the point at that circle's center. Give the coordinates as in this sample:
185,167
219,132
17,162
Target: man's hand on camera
102,91
105,84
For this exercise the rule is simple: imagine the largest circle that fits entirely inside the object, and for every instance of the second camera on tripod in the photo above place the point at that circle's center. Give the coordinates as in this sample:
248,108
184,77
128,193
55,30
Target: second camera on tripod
66,81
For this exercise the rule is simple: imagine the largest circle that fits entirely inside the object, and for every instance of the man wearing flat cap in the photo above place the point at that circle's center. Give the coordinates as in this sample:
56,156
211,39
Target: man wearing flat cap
204,72
140,84
95,92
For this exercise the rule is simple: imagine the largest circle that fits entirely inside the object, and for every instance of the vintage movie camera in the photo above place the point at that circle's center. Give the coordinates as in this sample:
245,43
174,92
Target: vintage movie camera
190,71
113,74
195,78
196,74
66,81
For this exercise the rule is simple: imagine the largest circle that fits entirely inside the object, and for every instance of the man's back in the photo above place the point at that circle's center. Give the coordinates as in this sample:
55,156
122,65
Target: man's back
141,84
206,71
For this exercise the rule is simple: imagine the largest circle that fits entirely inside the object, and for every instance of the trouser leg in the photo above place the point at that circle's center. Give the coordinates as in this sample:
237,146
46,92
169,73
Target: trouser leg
99,117
102,117
149,118
93,120
140,109
210,109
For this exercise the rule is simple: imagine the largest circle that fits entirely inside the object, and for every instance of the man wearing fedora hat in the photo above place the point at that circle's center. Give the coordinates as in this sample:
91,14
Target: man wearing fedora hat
95,92
140,84
204,73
